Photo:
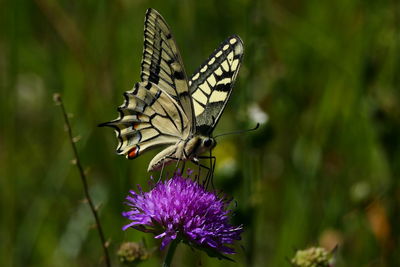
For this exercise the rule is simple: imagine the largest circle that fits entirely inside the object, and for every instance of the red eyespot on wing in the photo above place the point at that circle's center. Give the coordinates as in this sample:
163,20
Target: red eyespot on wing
133,152
135,126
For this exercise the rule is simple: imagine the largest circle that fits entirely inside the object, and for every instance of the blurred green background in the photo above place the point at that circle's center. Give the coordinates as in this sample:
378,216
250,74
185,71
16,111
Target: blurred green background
322,170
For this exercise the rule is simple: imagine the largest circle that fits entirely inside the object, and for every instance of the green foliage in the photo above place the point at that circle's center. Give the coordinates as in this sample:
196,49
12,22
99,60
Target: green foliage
323,170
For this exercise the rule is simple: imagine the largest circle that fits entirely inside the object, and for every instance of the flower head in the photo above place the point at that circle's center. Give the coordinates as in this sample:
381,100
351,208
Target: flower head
181,209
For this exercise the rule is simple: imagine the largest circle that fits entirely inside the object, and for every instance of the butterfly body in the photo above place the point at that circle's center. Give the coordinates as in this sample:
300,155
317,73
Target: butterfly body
184,150
168,109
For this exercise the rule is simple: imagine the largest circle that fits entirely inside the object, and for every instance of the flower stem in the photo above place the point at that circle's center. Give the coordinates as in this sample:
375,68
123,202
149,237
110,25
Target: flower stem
170,253
58,100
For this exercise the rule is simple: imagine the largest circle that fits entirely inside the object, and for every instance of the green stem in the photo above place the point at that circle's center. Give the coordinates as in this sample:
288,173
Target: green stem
170,253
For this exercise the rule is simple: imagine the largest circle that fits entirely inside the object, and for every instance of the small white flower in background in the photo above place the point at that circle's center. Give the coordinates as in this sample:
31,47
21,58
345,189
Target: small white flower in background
257,114
30,93
360,191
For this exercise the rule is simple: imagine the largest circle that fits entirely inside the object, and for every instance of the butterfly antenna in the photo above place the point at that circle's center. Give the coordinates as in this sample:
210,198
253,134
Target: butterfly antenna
239,132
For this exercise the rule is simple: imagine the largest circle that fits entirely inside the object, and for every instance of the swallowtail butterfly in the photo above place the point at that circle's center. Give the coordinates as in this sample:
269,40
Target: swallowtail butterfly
167,108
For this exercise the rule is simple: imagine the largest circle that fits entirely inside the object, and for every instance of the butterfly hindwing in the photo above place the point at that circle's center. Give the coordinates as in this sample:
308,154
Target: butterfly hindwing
162,64
148,118
211,85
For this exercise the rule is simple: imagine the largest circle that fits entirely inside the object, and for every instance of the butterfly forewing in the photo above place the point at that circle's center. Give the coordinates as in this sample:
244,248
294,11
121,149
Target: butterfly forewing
211,85
162,64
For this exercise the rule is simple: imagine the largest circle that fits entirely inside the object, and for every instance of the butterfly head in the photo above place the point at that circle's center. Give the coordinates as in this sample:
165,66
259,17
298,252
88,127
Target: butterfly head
208,143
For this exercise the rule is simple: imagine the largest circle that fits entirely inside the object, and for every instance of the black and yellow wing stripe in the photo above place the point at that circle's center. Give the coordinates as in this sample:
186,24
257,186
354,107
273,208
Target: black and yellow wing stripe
211,85
162,64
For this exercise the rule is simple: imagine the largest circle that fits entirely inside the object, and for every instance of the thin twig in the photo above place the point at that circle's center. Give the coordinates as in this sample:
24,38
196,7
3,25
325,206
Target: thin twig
58,100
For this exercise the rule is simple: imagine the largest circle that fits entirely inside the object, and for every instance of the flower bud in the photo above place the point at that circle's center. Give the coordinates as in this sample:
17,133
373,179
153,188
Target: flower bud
312,257
132,252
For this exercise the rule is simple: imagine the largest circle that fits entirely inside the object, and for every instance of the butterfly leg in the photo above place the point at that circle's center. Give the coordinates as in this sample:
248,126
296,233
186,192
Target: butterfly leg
161,172
183,166
177,165
198,175
199,171
163,165
205,167
213,161
210,170
182,169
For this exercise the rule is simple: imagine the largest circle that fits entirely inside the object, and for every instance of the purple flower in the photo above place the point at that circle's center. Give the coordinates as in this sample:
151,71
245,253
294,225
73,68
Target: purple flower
181,209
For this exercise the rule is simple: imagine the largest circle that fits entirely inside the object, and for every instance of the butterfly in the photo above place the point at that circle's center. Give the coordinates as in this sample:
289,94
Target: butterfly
168,109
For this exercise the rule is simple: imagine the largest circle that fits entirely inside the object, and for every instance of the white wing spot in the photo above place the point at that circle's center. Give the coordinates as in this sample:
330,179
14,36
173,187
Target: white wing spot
230,56
200,97
206,89
235,64
211,61
218,54
218,71
225,65
190,83
211,80
195,77
204,69
238,49
224,81
232,41
218,96
225,47
198,109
